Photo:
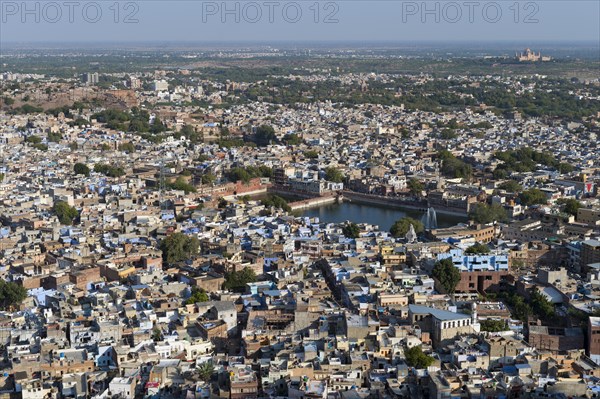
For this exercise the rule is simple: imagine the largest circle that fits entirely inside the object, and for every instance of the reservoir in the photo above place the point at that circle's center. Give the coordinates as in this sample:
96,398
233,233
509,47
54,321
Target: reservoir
373,214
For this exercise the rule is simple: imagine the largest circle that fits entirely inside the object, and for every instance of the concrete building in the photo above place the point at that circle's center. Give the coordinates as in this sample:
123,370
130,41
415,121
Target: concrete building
160,85
443,325
590,253
593,347
478,272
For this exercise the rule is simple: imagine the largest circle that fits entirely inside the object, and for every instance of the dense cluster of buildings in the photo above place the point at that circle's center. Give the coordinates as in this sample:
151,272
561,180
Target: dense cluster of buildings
327,314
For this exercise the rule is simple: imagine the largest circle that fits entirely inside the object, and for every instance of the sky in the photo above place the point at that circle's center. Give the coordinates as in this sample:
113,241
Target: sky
300,20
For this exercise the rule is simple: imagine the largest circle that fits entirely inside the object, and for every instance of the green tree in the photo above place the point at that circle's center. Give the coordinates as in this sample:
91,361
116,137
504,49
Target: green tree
492,325
448,134
415,186
198,295
208,178
351,230
511,186
81,122
239,174
11,294
415,357
484,213
402,226
237,280
157,334
81,169
334,175
181,184
571,206
564,167
205,371
277,202
65,213
453,167
478,248
311,154
109,170
533,196
264,135
447,274
191,134
54,137
292,139
33,139
178,247
127,147
222,203
541,305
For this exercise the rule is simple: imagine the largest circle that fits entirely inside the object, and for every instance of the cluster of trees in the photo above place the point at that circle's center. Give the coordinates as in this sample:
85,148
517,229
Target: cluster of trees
54,137
447,274
311,154
127,147
81,169
477,248
292,139
109,170
225,140
236,280
11,294
542,307
137,120
36,142
537,305
277,202
533,196
511,186
453,167
351,230
415,186
570,205
181,184
415,357
526,159
264,135
334,175
486,213
208,178
402,226
113,118
248,173
558,102
27,109
179,247
191,134
448,134
65,213
198,295
492,325
65,110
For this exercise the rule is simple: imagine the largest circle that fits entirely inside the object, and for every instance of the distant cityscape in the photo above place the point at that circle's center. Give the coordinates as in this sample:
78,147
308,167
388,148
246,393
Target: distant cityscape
328,222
